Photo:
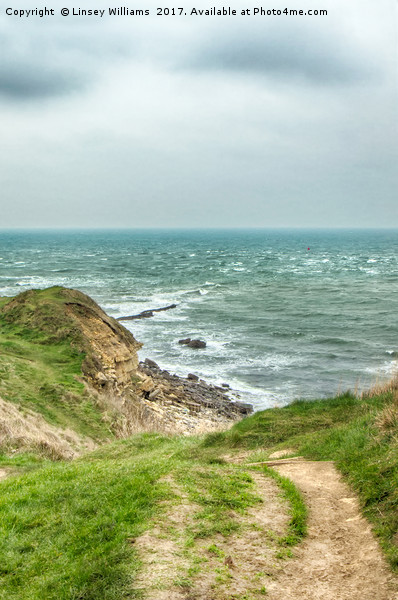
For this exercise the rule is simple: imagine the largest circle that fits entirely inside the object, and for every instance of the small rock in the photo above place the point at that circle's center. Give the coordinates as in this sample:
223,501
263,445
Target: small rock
192,377
101,377
147,385
225,385
151,363
244,408
153,394
196,344
185,341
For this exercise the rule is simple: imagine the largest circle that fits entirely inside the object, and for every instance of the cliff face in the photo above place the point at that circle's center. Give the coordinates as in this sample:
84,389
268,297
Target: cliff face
111,350
62,315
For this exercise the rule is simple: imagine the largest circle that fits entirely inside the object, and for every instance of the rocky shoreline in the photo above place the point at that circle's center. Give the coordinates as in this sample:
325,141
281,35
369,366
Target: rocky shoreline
187,405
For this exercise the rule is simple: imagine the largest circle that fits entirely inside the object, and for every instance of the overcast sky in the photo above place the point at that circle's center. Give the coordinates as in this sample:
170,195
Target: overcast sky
200,121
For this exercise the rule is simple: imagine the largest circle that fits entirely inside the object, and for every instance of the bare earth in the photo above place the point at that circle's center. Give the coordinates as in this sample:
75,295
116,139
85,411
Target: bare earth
340,559
3,474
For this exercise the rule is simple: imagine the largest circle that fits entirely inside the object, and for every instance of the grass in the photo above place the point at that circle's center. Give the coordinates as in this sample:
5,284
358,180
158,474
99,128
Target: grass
222,491
45,378
359,434
297,526
41,357
67,527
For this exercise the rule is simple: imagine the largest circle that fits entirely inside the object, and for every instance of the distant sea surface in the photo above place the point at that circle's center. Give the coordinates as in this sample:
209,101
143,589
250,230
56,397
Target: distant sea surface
285,314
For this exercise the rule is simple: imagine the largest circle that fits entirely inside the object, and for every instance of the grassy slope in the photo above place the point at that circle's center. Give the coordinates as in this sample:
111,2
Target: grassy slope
66,527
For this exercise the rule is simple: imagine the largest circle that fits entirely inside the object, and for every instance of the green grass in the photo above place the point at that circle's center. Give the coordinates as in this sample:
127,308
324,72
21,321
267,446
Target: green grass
67,528
297,526
41,357
44,378
222,491
343,429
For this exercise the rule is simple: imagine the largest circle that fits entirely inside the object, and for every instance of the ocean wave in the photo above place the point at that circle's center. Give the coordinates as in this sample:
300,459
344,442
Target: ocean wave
334,341
389,368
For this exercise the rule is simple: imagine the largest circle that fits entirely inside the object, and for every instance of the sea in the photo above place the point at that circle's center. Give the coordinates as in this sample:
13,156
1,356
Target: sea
285,314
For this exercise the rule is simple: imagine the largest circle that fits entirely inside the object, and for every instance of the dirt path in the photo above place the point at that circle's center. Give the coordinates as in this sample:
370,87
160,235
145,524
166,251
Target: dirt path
340,559
3,474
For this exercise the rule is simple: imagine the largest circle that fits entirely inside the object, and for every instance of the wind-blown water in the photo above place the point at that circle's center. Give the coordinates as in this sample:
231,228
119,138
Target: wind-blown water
285,314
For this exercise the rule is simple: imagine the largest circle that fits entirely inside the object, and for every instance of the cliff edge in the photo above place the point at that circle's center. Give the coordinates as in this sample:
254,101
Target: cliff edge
78,368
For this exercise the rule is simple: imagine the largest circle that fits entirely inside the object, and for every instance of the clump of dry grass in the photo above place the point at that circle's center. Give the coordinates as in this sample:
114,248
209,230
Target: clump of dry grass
387,419
23,429
127,416
379,389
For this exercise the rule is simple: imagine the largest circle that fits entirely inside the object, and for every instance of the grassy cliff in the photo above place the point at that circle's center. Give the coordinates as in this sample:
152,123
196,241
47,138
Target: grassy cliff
58,350
68,528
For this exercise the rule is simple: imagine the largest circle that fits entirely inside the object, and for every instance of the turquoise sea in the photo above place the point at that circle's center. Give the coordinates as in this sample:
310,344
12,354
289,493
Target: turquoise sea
285,314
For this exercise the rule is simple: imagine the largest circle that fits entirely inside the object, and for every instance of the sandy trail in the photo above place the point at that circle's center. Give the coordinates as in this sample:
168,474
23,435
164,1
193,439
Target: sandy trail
340,558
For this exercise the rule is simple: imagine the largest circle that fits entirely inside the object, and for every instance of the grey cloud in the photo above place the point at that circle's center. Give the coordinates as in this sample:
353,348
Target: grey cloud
27,81
285,54
39,62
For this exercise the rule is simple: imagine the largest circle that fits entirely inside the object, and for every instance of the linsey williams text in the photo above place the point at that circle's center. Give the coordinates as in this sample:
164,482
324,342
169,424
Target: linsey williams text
121,11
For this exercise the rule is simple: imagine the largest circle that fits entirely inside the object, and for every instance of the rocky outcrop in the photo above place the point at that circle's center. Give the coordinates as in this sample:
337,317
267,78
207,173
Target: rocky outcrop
145,314
112,360
59,314
195,394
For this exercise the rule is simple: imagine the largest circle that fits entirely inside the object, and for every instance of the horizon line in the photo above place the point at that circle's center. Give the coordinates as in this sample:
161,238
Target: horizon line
280,228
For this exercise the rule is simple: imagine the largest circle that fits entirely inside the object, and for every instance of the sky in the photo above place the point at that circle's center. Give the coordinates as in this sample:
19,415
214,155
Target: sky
200,121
